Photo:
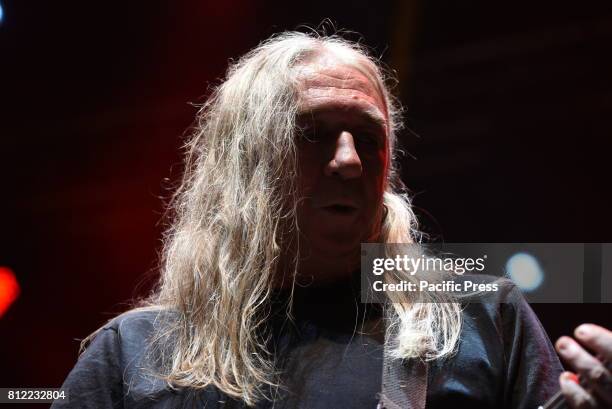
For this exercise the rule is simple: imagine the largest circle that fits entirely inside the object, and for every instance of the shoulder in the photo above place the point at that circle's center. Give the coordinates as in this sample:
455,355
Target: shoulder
504,319
139,334
488,288
120,367
122,343
137,349
110,361
502,348
496,302
125,336
139,324
491,296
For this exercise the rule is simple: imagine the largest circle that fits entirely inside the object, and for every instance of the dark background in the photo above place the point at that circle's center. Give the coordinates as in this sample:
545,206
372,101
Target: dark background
94,102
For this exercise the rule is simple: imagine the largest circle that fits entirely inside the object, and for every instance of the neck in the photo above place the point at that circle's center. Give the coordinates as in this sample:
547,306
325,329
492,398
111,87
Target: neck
335,305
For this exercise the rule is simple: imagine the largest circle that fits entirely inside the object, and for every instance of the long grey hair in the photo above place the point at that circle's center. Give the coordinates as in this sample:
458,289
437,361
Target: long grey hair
230,220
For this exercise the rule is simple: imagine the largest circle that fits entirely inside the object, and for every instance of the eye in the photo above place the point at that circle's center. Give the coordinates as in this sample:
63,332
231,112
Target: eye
308,134
367,139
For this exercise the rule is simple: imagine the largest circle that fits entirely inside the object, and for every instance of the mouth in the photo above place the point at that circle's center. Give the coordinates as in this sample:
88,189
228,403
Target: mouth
340,209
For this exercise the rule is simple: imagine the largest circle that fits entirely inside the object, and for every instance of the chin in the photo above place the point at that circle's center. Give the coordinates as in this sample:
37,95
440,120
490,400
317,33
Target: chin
330,257
321,272
339,246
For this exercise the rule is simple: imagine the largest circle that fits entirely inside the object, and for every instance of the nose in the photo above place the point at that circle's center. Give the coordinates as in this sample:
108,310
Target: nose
345,161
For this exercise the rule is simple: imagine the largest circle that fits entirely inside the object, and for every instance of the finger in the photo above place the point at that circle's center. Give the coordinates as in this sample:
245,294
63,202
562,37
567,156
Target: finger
596,338
575,395
575,356
590,369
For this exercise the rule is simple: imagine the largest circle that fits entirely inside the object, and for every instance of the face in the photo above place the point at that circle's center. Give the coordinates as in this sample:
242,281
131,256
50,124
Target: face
343,162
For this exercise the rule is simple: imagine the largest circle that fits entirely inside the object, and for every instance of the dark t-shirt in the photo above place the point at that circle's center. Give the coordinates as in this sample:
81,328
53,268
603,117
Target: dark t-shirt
504,360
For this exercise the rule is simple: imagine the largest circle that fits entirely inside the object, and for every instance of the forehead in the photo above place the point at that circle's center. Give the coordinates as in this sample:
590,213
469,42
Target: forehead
327,85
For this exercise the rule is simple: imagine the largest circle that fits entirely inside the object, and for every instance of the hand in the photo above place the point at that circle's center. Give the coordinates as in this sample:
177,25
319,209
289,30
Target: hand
594,370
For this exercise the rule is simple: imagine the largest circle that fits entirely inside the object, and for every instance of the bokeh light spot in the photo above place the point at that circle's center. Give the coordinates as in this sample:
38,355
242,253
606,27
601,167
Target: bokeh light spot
524,269
9,289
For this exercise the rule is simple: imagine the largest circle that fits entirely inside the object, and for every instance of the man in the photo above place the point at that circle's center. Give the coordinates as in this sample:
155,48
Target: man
290,168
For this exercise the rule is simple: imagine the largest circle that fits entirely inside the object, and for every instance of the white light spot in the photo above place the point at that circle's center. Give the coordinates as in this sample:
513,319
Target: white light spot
525,271
1,13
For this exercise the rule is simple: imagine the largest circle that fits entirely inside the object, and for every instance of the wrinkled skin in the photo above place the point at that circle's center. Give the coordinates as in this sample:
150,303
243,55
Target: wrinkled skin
343,163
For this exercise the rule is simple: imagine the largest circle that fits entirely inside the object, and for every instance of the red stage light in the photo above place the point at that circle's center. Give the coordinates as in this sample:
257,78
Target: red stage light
9,289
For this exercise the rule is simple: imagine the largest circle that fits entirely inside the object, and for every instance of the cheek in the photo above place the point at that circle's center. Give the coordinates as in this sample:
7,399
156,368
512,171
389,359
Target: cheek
308,169
375,169
307,183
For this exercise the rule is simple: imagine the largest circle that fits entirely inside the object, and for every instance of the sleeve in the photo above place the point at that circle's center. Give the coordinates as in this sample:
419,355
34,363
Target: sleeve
532,365
96,379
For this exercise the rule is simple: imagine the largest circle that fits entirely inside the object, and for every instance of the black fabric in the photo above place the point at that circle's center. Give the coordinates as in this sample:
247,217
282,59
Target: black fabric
504,360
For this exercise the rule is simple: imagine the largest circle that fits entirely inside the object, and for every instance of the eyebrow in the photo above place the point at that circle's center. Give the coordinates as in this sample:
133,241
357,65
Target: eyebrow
371,116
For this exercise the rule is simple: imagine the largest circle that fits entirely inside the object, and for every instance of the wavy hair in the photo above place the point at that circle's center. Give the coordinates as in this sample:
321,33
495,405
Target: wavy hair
230,221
